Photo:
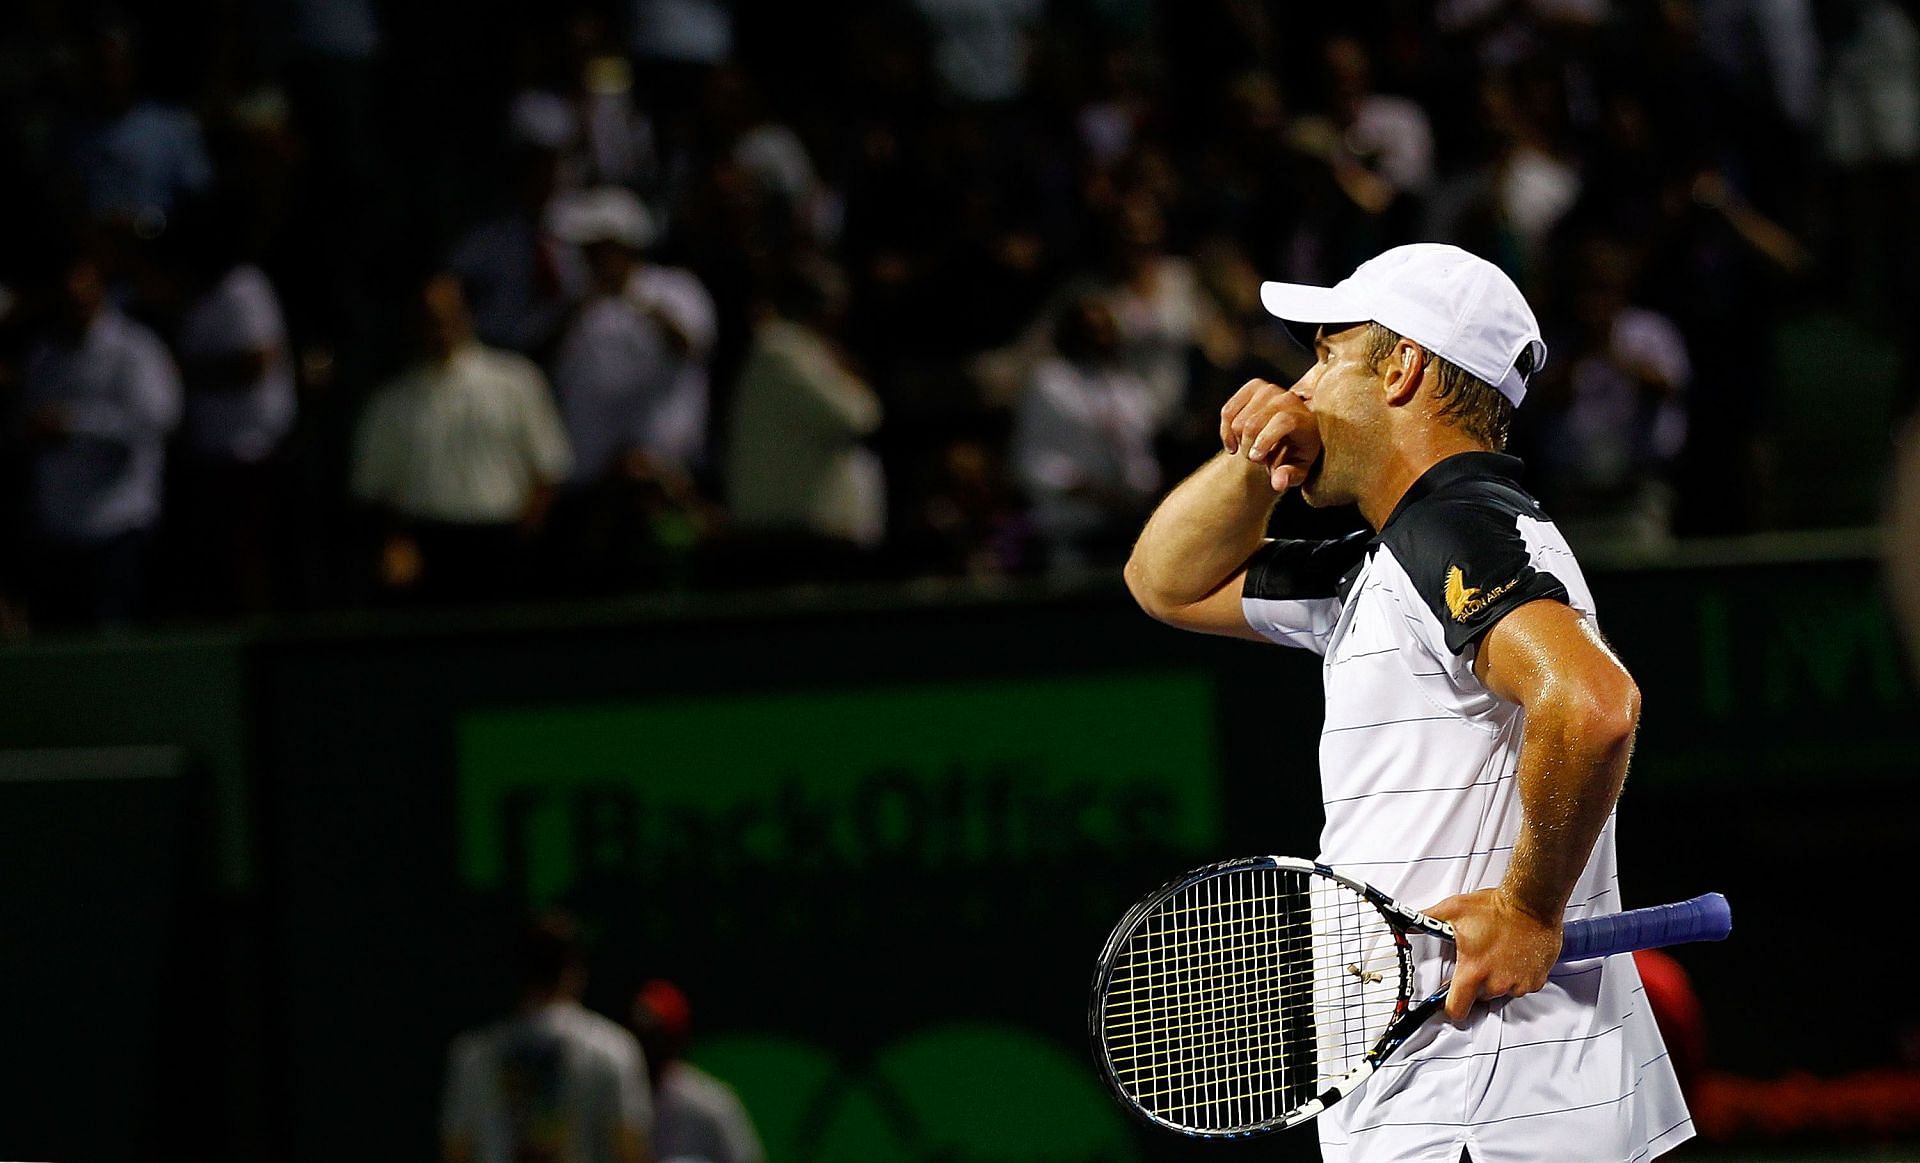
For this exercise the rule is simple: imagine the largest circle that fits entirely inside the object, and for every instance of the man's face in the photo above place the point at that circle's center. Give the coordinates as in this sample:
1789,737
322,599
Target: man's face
83,291
1344,395
443,316
610,264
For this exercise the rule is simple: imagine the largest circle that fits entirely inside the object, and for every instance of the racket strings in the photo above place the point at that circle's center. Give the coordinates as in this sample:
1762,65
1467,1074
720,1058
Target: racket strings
1282,992
1278,1003
1232,1003
1271,933
1382,960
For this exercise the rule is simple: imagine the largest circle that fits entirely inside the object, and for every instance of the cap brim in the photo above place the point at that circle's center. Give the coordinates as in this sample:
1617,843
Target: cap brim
1303,308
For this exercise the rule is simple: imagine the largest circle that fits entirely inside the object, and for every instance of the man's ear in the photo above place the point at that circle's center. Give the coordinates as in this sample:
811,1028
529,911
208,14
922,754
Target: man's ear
1405,368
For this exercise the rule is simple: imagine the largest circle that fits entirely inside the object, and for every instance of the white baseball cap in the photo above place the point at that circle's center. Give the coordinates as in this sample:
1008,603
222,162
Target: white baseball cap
603,214
1457,305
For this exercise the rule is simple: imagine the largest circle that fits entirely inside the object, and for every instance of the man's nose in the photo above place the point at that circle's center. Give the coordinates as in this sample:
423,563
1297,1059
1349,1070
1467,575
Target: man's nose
1303,387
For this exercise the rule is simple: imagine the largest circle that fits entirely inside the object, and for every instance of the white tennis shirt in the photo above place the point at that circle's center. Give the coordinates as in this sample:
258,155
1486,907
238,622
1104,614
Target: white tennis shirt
560,1083
1417,764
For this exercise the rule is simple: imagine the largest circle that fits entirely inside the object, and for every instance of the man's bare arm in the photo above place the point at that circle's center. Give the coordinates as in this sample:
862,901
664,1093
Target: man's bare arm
1582,709
1188,566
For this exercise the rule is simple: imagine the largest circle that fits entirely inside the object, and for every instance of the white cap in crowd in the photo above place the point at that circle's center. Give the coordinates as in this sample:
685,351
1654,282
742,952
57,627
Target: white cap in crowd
1457,305
603,214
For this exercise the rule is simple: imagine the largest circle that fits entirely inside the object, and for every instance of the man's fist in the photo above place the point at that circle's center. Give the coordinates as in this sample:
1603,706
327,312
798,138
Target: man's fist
1500,949
1271,426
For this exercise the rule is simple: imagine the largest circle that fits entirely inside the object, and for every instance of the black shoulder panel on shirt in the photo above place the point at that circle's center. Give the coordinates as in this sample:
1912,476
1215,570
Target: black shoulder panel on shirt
1462,547
1302,569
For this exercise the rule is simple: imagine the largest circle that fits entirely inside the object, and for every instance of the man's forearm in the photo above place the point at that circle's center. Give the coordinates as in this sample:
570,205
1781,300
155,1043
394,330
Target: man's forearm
1572,764
1202,533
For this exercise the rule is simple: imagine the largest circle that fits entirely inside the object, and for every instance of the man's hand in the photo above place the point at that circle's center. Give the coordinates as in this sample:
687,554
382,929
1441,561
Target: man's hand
1502,950
1276,430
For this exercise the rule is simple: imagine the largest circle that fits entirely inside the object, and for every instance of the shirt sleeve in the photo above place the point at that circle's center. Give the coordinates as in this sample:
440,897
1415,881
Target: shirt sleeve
682,297
1472,565
826,394
1291,594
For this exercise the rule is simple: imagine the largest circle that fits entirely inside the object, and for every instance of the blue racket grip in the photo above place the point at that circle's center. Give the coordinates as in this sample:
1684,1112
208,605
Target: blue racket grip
1704,918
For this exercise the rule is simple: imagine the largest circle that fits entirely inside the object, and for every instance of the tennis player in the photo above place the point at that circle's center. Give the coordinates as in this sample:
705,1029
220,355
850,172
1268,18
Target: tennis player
1477,725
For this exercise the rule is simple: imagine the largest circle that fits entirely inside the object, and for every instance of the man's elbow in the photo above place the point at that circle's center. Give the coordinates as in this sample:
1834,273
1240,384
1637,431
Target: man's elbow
1608,713
1151,601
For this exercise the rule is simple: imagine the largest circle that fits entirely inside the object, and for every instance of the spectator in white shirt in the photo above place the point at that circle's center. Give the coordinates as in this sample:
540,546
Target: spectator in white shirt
796,465
1083,440
631,367
696,1117
240,407
462,453
554,1082
631,375
100,395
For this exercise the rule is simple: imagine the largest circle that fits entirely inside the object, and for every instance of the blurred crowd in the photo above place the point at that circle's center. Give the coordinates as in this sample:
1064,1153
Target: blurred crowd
320,303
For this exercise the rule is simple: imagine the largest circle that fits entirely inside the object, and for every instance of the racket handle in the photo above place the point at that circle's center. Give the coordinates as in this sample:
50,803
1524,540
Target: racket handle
1704,918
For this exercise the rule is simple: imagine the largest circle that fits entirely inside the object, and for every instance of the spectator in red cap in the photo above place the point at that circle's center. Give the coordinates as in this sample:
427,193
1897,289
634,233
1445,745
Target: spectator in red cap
696,1117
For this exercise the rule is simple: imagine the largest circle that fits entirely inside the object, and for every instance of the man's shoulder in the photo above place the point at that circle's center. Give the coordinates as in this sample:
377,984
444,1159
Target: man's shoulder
394,396
499,363
474,1046
247,284
695,1087
125,333
656,279
1465,515
1474,550
1057,382
604,1037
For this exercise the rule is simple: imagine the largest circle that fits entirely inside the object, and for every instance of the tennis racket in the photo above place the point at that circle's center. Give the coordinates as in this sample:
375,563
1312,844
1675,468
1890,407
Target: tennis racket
1251,995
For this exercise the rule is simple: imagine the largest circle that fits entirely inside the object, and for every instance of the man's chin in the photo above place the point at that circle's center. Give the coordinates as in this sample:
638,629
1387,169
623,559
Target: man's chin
1311,491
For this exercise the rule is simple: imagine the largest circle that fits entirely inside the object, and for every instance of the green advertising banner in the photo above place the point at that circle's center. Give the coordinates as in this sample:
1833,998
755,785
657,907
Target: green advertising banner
942,858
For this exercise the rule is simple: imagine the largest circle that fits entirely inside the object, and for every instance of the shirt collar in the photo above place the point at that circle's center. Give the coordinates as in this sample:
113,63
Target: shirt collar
1461,466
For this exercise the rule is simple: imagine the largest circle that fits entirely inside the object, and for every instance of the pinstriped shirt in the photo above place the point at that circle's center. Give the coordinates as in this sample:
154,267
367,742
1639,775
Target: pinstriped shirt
1417,770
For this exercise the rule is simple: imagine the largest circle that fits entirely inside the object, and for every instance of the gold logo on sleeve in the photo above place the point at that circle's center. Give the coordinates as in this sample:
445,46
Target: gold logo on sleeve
1464,601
